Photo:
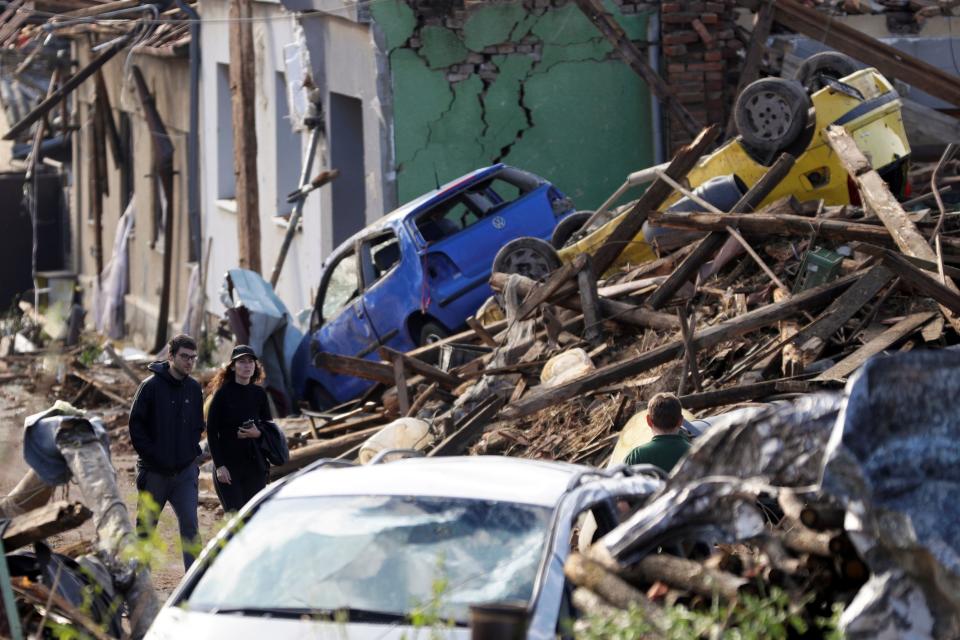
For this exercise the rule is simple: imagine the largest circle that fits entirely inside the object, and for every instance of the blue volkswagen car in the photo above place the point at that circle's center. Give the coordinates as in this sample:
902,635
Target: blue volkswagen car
417,274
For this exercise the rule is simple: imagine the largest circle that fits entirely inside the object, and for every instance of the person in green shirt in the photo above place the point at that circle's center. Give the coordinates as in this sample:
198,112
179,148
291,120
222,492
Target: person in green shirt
664,417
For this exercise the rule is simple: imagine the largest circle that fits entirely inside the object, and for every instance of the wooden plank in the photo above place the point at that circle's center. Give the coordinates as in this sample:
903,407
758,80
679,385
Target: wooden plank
400,382
41,523
464,336
482,333
636,60
923,282
243,84
812,339
590,304
743,393
690,352
559,279
891,62
113,135
926,265
708,337
64,89
358,367
422,399
877,199
428,371
123,364
469,429
852,362
712,243
100,387
631,222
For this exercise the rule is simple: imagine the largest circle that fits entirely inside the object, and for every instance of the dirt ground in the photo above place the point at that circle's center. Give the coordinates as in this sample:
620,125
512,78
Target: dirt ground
19,400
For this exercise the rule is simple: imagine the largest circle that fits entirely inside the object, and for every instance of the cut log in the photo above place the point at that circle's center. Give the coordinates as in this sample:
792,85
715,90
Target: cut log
43,522
690,576
590,575
708,337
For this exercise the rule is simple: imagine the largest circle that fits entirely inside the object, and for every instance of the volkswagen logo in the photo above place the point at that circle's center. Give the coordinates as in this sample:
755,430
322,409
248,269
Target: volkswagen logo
499,222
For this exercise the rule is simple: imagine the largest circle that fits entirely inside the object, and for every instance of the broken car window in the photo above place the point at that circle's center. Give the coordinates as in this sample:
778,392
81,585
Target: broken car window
342,286
379,255
379,554
466,209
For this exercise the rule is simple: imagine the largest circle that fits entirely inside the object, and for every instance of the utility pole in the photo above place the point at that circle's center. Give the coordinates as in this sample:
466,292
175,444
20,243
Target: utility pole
242,83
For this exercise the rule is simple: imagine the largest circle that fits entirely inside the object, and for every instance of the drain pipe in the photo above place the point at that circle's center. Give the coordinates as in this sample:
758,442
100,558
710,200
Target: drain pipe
656,112
193,135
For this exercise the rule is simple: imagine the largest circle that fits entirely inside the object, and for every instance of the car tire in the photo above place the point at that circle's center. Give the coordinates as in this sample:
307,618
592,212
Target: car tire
567,227
826,63
771,113
530,257
432,332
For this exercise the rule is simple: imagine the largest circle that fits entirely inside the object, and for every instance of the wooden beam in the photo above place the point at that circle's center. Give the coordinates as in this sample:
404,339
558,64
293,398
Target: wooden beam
463,336
428,371
540,398
243,81
590,304
923,281
631,222
41,523
852,362
760,225
743,393
357,367
481,332
63,90
877,199
634,58
469,428
926,265
891,62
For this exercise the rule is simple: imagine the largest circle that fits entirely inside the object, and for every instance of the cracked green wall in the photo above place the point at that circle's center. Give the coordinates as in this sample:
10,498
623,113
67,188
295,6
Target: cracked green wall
589,115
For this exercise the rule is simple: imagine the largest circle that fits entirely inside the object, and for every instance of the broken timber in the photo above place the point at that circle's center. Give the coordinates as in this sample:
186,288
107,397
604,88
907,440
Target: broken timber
764,316
45,521
631,222
712,243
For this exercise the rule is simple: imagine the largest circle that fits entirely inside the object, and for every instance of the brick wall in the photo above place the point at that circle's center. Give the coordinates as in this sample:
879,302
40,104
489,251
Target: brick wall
699,61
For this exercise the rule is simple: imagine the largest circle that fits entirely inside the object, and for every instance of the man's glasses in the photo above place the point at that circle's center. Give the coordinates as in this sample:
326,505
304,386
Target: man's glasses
187,358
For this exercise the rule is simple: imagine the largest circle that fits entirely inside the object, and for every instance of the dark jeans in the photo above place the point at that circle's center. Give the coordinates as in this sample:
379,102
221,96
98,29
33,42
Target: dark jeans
236,494
180,490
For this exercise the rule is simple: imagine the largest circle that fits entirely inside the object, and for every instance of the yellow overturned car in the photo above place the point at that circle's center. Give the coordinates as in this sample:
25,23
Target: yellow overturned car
773,115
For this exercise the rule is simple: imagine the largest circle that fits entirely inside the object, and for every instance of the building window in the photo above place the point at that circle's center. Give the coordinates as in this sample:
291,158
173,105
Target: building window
226,181
288,161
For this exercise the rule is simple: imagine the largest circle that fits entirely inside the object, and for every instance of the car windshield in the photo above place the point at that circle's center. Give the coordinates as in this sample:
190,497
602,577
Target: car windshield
382,554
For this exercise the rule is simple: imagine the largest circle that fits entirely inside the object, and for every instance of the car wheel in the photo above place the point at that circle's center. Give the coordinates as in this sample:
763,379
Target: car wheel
530,257
567,227
771,113
432,332
826,63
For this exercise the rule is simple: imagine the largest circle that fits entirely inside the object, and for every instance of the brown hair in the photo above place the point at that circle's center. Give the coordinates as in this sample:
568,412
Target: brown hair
226,373
180,341
664,411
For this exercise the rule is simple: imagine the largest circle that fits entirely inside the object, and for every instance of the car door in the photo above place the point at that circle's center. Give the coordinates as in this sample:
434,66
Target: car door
344,327
392,286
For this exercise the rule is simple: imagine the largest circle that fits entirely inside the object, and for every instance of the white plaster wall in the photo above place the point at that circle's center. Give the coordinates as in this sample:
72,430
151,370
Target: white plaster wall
271,33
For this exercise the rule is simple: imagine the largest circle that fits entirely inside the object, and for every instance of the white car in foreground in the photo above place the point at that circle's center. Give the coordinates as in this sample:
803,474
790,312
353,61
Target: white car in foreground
353,551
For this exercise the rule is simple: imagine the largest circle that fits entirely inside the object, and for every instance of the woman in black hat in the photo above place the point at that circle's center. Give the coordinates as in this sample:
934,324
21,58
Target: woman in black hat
239,403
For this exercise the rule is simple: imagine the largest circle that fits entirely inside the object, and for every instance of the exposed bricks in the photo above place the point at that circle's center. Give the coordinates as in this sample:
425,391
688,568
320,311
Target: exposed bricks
699,50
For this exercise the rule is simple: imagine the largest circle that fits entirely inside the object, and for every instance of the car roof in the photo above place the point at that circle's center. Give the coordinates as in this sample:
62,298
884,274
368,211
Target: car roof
428,199
519,480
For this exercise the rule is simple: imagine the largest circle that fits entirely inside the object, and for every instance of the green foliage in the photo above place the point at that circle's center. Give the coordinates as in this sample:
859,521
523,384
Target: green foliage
770,617
89,354
429,615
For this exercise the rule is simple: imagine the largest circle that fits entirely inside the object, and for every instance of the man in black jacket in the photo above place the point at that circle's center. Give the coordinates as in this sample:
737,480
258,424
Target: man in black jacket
166,422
